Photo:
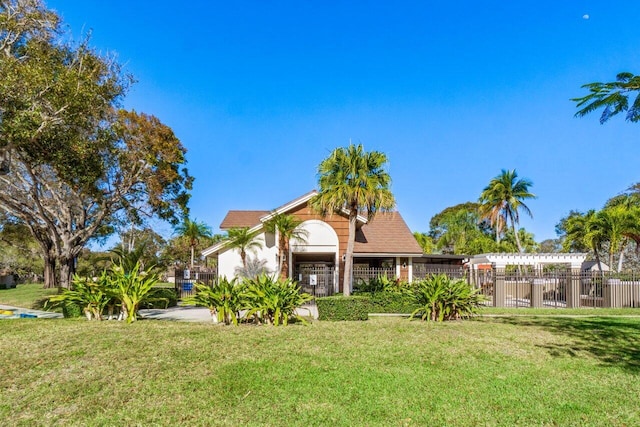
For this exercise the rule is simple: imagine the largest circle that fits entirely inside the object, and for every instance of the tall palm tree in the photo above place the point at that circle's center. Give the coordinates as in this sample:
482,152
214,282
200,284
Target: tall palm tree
354,180
286,227
193,231
580,234
615,225
242,239
502,199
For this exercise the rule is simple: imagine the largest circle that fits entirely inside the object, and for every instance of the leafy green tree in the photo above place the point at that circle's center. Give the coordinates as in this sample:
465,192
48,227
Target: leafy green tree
193,231
79,164
612,97
501,201
243,240
425,241
287,227
355,181
526,239
548,246
438,224
615,224
19,251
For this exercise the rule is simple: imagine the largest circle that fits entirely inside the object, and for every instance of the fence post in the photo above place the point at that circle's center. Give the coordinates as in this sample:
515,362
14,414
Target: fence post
498,286
537,288
573,288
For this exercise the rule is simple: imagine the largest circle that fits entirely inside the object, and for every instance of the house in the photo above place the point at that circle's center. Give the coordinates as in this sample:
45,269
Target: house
384,245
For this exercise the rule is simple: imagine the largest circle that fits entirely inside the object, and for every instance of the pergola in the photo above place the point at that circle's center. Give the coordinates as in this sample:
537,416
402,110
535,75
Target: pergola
498,263
502,260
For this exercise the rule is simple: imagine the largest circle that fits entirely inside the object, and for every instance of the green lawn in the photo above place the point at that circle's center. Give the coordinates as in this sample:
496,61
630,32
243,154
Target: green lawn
25,295
388,372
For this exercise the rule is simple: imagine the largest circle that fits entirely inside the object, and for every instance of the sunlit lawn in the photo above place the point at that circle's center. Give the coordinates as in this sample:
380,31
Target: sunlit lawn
25,295
389,371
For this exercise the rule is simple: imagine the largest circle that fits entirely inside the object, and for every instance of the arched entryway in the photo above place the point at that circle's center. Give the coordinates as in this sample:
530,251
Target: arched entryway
314,261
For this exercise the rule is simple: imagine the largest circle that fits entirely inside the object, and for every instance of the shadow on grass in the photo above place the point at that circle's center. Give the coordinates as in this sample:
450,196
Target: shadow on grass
612,341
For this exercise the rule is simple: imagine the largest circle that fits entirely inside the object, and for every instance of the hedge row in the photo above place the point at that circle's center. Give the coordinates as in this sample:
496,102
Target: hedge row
358,307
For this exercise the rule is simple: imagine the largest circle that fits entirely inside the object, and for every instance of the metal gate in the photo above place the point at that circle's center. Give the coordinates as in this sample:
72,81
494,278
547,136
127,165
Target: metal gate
317,279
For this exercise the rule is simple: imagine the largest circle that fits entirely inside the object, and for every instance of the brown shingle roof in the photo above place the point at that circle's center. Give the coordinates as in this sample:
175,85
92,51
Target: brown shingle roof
386,233
242,219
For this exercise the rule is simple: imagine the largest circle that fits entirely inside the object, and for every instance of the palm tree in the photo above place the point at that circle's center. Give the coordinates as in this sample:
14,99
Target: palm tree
286,226
242,239
580,234
354,180
193,231
615,224
613,97
502,199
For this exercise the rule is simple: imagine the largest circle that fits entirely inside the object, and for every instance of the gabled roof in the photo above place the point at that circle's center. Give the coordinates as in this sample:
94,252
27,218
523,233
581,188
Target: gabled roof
242,219
386,233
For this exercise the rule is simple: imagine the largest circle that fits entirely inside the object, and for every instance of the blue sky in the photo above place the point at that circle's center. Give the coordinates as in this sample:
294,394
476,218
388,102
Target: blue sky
260,92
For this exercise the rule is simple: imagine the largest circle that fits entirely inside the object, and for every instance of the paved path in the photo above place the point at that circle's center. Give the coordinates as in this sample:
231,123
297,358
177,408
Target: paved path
19,310
199,314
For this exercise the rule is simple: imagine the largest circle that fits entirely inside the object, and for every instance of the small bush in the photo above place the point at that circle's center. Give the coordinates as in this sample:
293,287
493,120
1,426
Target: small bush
71,311
274,301
392,302
225,300
382,284
339,307
161,298
440,298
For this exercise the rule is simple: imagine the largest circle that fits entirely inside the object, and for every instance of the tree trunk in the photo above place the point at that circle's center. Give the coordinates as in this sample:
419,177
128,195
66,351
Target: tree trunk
67,269
192,252
620,260
50,272
611,260
284,260
515,234
348,262
597,254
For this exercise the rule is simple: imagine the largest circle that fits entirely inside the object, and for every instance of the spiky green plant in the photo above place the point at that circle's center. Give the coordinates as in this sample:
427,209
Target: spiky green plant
274,301
132,288
440,298
225,300
91,296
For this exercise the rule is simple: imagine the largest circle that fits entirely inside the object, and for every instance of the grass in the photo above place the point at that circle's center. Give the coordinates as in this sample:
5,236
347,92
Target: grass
25,295
586,311
388,371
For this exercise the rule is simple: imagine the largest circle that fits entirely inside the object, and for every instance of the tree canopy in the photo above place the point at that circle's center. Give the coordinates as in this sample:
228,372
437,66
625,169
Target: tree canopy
79,164
612,98
502,200
356,181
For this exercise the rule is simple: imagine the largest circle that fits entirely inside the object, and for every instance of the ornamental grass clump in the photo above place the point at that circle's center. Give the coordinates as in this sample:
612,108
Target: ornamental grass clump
439,298
263,300
225,300
88,295
273,301
116,288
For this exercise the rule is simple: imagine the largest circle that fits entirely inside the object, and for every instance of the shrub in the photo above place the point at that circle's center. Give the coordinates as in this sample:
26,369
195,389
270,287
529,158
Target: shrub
225,299
85,295
71,310
440,298
132,288
392,302
161,298
339,307
274,301
383,284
